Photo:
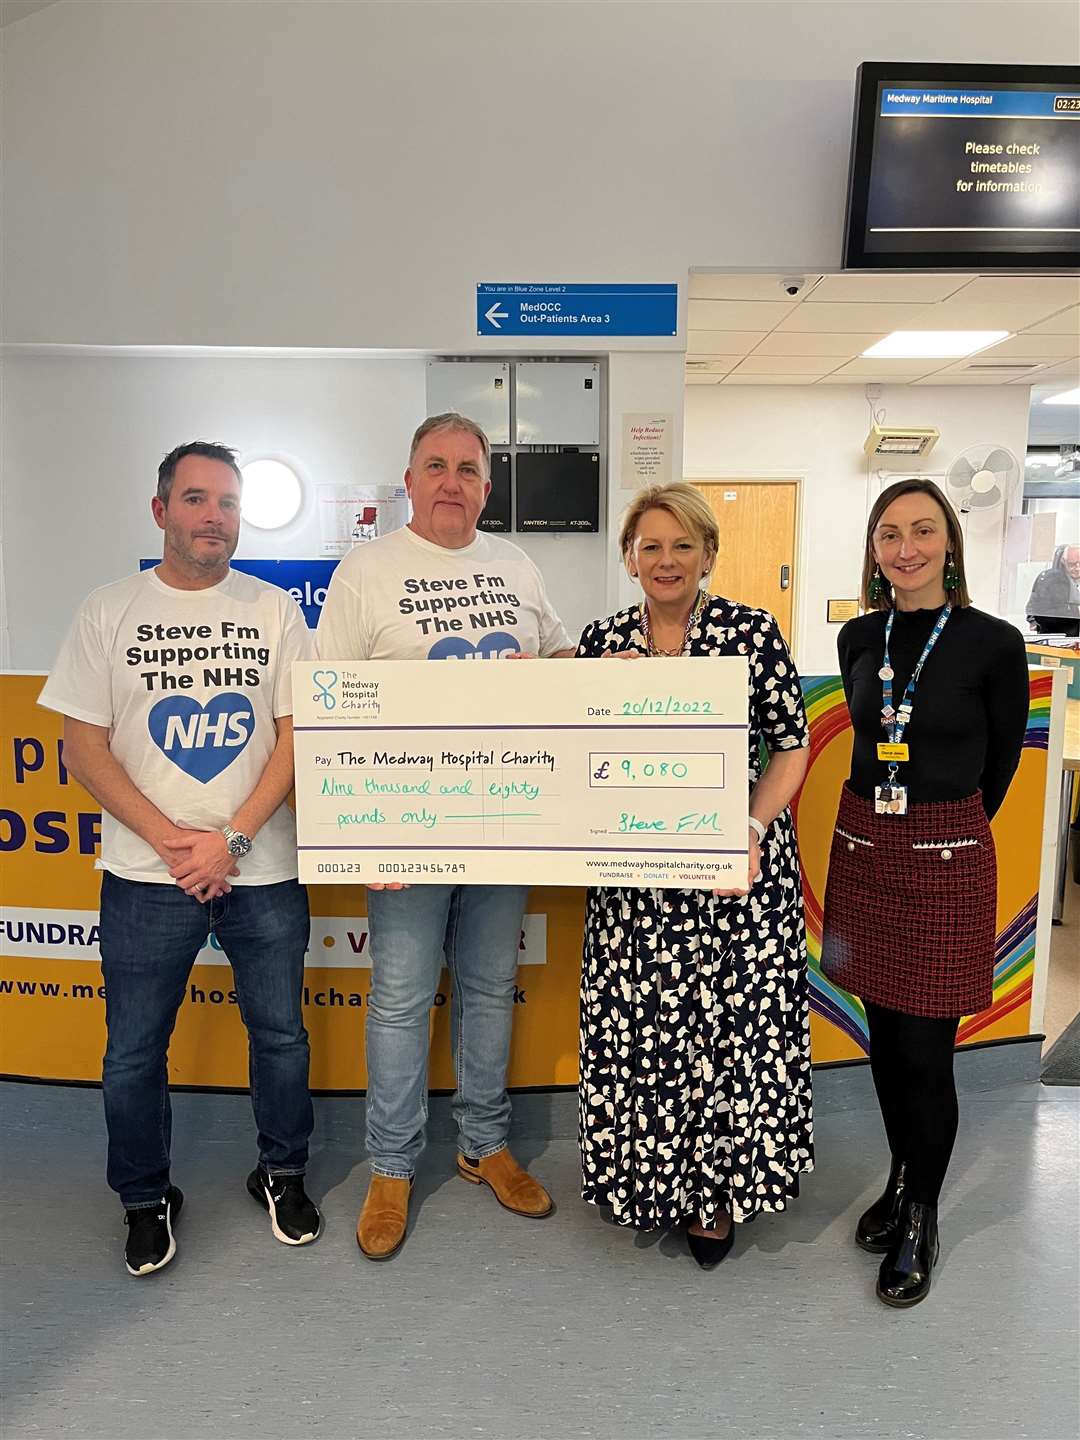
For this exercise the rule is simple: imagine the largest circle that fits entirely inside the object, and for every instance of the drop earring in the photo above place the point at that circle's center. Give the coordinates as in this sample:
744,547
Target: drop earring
951,578
875,591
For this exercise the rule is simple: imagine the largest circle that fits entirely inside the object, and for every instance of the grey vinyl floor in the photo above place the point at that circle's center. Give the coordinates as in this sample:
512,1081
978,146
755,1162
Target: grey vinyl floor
486,1325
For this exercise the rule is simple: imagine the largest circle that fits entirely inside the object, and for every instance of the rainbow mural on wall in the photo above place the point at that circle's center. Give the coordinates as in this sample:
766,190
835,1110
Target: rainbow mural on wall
840,1024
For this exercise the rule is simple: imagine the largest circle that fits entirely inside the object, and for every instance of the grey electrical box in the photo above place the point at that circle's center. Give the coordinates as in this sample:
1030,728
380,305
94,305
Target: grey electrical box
558,403
480,390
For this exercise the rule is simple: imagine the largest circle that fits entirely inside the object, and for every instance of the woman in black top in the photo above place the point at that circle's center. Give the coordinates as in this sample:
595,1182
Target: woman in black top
938,696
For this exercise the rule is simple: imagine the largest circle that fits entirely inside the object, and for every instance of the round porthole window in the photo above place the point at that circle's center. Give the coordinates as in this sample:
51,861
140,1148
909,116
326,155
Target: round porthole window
272,493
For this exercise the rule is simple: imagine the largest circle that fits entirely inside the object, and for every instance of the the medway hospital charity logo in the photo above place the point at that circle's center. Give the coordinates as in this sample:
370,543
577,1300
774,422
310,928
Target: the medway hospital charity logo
202,740
325,682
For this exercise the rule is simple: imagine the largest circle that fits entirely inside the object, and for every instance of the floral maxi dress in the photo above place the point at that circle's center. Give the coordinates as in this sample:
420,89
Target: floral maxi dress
695,1091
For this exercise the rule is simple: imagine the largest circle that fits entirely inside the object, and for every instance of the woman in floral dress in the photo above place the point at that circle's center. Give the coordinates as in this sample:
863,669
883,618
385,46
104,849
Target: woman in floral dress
695,1093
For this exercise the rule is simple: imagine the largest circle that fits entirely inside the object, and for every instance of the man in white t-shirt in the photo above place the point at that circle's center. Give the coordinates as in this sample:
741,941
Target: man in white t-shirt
175,687
439,590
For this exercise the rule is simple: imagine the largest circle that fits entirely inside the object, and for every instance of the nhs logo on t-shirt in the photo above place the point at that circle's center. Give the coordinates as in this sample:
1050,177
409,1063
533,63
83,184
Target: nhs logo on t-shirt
493,646
202,740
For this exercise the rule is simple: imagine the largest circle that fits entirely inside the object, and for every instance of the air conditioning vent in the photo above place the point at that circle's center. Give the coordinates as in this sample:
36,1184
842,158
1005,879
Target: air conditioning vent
1016,369
895,440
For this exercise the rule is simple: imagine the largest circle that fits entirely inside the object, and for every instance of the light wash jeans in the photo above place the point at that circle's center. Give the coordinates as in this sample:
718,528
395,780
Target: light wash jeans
475,930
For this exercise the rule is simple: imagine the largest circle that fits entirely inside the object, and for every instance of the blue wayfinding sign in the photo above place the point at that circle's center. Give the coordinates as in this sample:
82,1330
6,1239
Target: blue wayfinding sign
305,580
525,309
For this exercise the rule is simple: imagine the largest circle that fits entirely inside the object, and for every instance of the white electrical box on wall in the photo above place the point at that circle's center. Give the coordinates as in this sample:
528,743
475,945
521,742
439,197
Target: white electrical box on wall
477,389
558,403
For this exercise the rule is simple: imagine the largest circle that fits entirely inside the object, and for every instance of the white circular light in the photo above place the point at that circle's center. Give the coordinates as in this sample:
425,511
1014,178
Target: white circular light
272,493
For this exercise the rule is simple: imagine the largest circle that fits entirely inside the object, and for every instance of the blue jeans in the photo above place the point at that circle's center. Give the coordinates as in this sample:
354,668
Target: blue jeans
476,931
150,936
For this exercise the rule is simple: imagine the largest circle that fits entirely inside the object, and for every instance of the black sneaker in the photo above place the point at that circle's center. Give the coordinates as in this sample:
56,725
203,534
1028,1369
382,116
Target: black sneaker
150,1243
294,1219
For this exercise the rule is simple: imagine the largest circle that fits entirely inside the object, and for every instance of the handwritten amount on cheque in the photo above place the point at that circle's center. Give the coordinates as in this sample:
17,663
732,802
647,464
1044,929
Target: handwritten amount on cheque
452,792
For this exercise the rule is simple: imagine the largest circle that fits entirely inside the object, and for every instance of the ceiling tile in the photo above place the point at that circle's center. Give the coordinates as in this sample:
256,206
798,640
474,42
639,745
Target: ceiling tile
737,377
883,289
948,378
850,319
1070,370
702,379
737,314
989,315
780,342
849,380
886,370
1051,291
718,364
978,365
1066,322
758,364
1027,346
705,286
728,342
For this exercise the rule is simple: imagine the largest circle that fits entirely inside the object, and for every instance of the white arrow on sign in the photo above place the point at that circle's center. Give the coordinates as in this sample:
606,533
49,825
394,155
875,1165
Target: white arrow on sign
494,315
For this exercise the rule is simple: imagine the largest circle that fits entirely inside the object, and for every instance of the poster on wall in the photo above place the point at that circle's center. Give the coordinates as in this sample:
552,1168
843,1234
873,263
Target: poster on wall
350,515
646,450
52,1001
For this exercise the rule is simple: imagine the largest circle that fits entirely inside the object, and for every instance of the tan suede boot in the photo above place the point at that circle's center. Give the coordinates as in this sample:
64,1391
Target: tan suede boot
380,1230
513,1187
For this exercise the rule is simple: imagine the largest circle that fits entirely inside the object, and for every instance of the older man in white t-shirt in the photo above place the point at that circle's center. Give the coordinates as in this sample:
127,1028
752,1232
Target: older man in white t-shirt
440,590
175,687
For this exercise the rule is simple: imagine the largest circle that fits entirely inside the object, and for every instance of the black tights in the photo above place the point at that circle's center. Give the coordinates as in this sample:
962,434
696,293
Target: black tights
912,1062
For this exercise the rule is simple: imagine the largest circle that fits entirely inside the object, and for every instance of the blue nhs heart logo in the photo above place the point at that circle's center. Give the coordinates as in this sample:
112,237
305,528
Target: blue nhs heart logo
489,647
202,740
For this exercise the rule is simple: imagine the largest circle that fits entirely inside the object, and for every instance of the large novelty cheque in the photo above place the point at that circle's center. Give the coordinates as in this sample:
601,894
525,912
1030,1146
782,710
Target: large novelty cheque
540,772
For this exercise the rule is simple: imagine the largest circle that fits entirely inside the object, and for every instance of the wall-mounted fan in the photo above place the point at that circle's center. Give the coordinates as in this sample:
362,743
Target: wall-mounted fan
981,478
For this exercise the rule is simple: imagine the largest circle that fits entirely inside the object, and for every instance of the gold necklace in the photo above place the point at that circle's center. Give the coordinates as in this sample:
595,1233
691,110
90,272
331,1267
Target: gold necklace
651,648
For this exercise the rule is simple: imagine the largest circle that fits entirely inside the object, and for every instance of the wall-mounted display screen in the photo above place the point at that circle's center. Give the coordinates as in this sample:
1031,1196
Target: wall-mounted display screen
558,491
964,167
496,513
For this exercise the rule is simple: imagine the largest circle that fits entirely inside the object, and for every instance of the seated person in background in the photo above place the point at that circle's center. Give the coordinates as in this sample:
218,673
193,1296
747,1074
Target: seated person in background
1053,607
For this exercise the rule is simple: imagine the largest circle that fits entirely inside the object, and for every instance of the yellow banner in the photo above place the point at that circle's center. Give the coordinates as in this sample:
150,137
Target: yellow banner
52,1012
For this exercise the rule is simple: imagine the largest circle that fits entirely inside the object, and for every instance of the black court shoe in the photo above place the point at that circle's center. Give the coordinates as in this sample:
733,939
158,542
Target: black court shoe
904,1277
709,1252
879,1227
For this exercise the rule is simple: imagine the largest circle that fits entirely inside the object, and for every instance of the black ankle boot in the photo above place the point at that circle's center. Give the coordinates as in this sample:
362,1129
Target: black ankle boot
904,1277
879,1227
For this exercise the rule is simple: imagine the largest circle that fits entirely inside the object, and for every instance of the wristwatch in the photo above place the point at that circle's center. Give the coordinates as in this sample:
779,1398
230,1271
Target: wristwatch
239,845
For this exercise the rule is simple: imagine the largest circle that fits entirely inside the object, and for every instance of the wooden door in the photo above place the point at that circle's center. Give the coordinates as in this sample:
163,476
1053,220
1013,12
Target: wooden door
756,562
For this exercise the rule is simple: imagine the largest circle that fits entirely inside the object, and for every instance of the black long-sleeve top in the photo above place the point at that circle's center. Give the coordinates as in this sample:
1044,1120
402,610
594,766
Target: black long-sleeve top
970,707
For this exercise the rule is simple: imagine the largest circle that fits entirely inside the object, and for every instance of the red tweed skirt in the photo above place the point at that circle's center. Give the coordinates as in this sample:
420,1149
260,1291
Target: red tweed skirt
910,907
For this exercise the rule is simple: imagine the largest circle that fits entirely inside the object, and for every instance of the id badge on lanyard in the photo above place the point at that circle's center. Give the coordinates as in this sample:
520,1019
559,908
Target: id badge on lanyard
891,798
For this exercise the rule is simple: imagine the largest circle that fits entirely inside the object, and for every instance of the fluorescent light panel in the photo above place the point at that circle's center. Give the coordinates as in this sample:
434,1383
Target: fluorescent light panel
1067,397
933,344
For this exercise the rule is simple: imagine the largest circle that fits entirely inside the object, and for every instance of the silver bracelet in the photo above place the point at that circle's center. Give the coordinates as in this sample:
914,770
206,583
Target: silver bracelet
758,829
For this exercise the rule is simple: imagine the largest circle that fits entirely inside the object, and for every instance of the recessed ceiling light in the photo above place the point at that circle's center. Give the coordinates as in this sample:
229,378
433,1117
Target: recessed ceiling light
1067,397
933,344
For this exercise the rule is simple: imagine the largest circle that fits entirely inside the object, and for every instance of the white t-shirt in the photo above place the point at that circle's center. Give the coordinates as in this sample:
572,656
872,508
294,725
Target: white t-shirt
189,683
402,598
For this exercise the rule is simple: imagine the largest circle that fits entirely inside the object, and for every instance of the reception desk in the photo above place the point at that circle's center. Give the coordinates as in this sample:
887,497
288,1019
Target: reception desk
52,1022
